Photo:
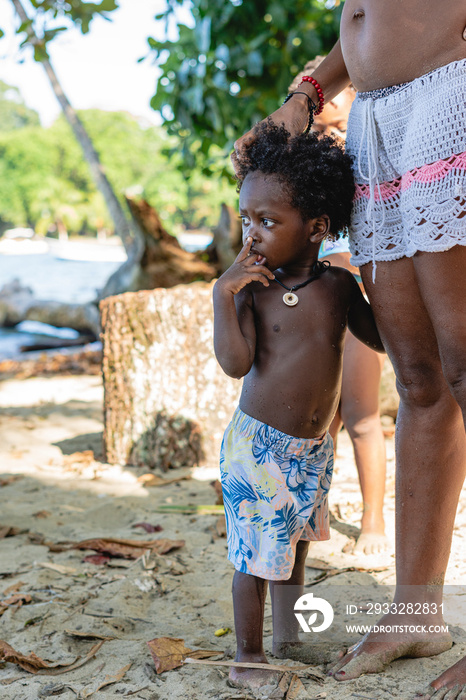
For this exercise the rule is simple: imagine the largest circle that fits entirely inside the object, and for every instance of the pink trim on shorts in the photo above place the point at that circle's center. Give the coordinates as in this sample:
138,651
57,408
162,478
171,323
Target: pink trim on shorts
433,172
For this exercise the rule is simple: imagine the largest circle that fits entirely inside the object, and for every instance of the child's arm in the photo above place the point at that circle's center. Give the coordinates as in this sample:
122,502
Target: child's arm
234,329
361,320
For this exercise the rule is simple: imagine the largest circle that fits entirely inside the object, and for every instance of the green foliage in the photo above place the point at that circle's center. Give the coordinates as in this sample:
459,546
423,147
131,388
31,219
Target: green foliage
233,67
13,112
44,179
46,13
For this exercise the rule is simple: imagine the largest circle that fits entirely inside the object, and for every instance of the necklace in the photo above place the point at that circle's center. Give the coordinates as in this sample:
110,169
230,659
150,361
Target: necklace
290,298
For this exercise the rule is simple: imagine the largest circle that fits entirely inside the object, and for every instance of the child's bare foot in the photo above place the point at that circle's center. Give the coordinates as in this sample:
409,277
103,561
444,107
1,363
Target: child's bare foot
372,539
305,652
259,681
371,543
263,684
450,685
377,650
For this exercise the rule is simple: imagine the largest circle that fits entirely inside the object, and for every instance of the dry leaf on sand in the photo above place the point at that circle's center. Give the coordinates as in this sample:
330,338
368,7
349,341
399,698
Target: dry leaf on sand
34,664
16,600
148,527
97,559
170,652
85,457
119,675
59,568
87,635
221,526
115,547
5,481
9,531
156,480
217,486
14,588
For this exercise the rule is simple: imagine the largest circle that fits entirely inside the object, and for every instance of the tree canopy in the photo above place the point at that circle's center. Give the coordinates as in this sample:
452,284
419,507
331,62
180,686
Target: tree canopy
13,112
44,181
233,66
51,17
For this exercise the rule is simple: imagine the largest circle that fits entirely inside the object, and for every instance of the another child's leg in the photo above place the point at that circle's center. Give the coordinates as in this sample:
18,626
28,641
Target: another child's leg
286,642
285,624
362,369
249,594
335,426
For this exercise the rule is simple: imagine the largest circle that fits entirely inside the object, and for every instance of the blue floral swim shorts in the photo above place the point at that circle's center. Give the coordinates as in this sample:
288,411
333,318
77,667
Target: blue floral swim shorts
275,490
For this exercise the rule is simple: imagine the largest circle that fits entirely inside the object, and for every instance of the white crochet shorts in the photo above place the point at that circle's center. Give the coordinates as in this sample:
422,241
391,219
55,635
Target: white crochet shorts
408,143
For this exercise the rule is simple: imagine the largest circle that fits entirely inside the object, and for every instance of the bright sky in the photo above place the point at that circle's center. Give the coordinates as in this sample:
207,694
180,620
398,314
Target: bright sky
99,69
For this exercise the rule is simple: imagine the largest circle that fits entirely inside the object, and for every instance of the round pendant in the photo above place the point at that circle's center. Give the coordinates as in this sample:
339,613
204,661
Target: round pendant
290,299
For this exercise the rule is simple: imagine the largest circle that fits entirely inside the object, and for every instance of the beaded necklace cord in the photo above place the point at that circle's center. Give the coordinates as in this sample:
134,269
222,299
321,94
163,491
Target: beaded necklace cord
291,299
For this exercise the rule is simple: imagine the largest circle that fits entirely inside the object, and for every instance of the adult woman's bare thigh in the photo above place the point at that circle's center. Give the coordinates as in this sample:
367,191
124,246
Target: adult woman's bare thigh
430,444
442,283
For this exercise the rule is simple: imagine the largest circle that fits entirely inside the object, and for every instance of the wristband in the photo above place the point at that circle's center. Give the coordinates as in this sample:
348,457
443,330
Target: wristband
311,106
320,92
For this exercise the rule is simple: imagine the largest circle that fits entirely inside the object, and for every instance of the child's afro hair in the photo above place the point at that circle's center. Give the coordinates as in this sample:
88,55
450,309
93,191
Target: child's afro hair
314,170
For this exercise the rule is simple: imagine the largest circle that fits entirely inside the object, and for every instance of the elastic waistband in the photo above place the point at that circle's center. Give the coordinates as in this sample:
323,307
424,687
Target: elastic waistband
391,89
380,92
249,426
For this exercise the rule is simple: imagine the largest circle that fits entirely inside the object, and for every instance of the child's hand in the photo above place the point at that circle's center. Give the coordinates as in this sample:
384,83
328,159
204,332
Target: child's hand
245,270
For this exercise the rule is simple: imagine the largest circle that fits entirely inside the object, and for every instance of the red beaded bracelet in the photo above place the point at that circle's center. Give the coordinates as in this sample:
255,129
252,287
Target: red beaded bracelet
320,92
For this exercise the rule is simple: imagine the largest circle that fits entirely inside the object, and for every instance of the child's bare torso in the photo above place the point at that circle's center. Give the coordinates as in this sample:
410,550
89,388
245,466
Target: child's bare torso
294,383
387,42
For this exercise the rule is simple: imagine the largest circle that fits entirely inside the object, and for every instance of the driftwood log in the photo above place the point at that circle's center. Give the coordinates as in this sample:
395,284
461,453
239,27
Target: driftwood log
18,303
167,402
162,263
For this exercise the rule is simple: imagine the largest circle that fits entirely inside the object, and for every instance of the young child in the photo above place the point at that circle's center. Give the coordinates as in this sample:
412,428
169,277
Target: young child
280,320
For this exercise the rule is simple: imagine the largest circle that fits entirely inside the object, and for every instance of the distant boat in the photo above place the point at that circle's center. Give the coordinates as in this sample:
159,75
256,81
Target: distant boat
22,241
194,241
87,250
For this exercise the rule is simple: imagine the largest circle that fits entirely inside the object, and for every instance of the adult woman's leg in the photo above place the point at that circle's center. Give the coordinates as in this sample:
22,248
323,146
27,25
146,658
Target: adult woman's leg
359,406
430,449
443,287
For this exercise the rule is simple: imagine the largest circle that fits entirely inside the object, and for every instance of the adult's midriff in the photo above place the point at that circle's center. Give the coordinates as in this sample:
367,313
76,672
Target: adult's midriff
387,42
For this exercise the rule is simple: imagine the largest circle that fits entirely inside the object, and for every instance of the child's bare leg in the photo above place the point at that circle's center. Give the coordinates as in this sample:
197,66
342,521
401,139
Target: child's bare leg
249,594
362,369
430,439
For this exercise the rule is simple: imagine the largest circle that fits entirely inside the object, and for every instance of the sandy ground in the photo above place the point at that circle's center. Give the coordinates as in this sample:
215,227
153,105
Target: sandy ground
61,494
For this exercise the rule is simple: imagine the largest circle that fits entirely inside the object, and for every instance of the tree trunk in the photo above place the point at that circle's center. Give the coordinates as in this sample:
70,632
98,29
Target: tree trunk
167,401
126,229
227,239
164,262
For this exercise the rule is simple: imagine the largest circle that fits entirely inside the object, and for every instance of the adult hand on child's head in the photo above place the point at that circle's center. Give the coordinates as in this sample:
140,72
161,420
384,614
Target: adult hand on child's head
293,115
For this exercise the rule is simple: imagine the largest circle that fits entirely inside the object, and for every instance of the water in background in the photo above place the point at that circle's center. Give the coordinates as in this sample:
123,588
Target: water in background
69,281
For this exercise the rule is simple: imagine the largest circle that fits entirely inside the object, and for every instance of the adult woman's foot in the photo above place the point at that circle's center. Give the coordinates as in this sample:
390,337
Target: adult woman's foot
377,650
451,685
